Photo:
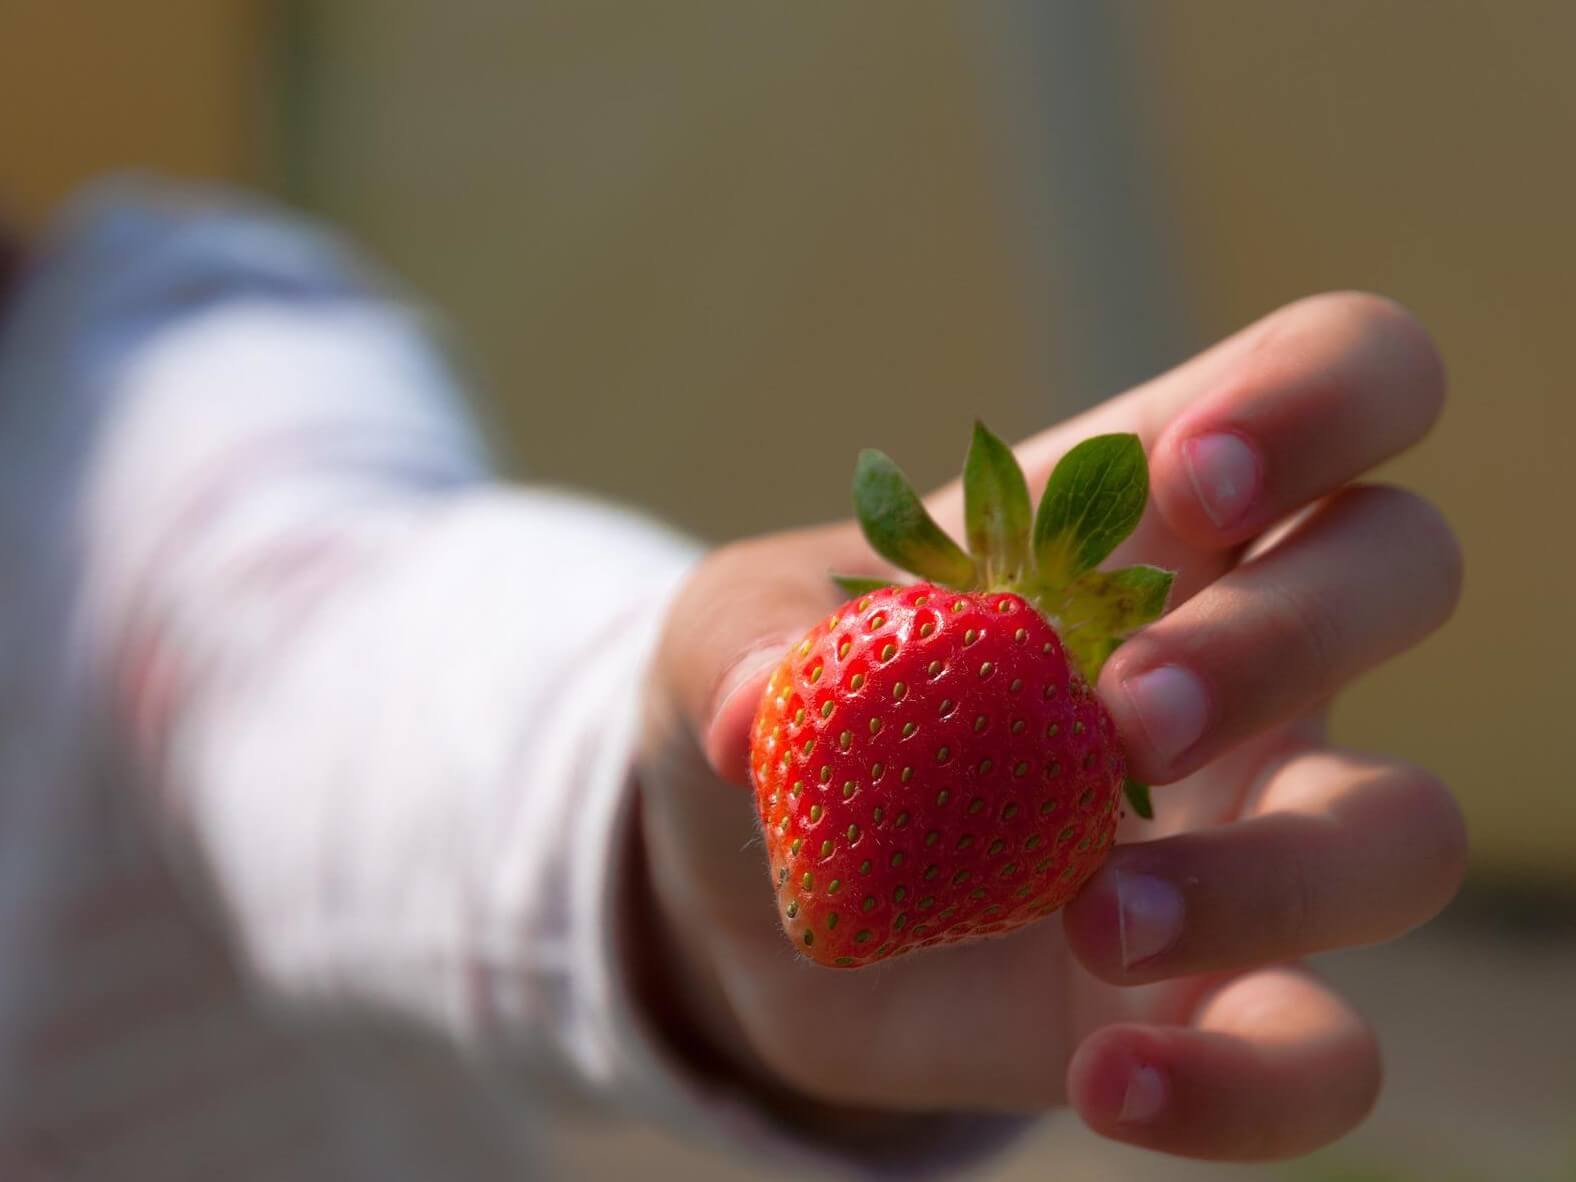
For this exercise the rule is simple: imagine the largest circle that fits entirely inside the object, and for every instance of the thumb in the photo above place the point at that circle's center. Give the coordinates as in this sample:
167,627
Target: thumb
724,735
734,621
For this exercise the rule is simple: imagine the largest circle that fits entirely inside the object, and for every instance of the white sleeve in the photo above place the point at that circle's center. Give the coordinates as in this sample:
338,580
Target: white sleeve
385,708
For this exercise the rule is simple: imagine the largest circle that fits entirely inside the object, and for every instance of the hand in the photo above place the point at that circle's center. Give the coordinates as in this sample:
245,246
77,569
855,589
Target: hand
1166,1005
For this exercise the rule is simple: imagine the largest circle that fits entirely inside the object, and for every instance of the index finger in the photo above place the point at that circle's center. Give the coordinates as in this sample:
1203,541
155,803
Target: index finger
1253,429
1313,395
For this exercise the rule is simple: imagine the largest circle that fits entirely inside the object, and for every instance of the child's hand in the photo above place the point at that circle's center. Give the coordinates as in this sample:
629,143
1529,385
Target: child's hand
1269,845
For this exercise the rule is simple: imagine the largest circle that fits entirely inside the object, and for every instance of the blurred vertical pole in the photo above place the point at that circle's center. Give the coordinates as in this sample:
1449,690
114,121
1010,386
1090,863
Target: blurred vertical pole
1085,192
293,66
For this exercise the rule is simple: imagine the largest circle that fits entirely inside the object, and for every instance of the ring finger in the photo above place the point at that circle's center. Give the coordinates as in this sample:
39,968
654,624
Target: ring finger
1339,850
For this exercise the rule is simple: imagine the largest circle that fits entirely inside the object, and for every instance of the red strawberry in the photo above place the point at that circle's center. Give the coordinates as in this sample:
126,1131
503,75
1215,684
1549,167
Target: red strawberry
930,764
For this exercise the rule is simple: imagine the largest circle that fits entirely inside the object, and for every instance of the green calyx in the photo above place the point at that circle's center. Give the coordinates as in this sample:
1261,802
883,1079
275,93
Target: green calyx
1093,501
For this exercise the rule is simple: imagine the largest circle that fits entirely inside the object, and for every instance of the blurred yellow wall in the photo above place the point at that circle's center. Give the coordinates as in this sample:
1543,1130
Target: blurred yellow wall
91,85
662,230
671,230
1426,150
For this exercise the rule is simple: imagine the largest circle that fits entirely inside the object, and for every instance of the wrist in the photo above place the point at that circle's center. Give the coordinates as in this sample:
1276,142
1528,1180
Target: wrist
682,983
675,971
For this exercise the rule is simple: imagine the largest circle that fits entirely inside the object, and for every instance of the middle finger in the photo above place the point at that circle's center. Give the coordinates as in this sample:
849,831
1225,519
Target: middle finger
1368,575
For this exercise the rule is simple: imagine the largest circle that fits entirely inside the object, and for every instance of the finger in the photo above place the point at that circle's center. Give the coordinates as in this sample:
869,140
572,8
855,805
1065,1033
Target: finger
732,622
728,621
1369,574
1343,850
1346,369
1286,410
1273,1065
1321,398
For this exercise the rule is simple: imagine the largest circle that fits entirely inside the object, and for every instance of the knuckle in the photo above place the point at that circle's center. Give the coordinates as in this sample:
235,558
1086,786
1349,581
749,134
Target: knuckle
1293,908
1424,535
1389,323
1376,313
1370,314
1441,549
715,569
1350,310
1386,325
1305,638
1439,821
1344,1103
727,562
1368,1080
1354,1099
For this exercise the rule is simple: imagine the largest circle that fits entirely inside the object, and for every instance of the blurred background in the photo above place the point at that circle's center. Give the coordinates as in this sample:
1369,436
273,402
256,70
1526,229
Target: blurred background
658,228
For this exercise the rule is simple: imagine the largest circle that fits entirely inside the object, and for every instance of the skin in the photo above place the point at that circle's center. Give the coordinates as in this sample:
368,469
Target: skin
1270,843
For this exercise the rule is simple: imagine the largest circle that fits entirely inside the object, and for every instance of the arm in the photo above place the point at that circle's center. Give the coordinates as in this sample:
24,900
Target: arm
384,709
364,706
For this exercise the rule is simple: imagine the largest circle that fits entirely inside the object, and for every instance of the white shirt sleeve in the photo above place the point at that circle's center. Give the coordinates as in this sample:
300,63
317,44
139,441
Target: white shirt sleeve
382,708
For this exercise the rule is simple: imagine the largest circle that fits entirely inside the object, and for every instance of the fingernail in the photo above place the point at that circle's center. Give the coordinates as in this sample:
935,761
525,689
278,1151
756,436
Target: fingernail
747,668
1145,1096
1224,470
723,739
1171,709
1149,914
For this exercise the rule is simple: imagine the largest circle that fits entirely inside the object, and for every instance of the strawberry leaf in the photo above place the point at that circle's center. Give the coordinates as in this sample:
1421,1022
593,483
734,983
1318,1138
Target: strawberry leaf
1101,608
898,527
995,509
854,586
1116,602
1139,593
1088,650
1093,500
1138,798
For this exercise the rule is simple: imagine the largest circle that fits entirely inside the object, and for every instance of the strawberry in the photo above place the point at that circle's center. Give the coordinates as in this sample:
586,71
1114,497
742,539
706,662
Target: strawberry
930,764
